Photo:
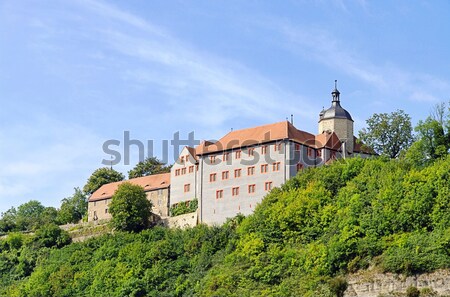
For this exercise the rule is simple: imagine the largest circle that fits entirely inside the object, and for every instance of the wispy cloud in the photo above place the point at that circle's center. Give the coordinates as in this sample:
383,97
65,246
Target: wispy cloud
320,45
219,89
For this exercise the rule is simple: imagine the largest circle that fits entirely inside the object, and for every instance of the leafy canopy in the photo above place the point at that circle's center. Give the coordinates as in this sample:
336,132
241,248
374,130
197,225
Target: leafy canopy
74,208
130,208
101,177
147,167
388,134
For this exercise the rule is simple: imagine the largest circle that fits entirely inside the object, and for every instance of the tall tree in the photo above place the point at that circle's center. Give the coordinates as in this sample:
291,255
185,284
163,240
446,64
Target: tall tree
388,133
101,177
433,137
147,167
74,208
130,208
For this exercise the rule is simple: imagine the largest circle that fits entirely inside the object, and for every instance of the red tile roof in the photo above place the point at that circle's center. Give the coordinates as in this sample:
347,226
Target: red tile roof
328,140
149,183
257,135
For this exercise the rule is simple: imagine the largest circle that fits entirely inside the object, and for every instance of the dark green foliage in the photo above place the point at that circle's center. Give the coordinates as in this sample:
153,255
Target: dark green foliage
130,208
101,177
338,285
51,235
183,208
147,167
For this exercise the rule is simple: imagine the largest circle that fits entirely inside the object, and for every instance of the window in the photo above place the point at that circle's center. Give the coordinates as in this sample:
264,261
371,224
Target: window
187,158
276,166
187,187
319,153
251,151
225,157
237,154
212,177
299,166
196,167
177,172
160,192
183,170
264,168
235,191
237,173
182,159
212,159
225,174
95,203
219,194
278,146
251,188
310,152
191,169
268,186
251,170
106,210
297,147
264,149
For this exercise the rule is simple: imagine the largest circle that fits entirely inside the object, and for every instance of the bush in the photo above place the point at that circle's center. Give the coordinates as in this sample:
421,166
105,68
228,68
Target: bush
412,292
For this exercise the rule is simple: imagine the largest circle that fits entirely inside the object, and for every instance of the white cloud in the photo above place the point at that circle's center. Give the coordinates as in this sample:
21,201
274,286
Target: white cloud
321,46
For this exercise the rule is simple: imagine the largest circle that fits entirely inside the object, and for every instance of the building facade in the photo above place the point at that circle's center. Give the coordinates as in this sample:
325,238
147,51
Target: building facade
156,187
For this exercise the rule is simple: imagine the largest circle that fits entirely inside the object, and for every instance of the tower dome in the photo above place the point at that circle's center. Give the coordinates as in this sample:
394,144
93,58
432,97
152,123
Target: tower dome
336,110
336,119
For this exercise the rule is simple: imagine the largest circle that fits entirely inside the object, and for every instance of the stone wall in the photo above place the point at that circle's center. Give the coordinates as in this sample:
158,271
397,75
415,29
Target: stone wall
369,284
181,221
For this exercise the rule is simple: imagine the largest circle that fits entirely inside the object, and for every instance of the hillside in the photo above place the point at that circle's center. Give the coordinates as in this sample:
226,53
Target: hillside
354,215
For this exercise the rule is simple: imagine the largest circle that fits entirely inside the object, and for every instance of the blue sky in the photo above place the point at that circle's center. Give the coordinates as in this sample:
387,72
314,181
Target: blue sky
74,74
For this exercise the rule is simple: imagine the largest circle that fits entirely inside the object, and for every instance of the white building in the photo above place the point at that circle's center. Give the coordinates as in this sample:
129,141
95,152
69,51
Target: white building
232,175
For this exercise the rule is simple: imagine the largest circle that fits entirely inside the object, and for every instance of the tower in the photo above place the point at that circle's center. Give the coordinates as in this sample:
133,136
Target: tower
336,119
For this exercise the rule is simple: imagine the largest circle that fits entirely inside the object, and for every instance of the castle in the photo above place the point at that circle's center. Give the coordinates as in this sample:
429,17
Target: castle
232,175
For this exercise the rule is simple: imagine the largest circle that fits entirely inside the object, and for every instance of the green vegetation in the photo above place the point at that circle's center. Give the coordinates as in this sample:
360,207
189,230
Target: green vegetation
74,208
130,208
391,215
147,167
183,208
301,240
100,177
388,134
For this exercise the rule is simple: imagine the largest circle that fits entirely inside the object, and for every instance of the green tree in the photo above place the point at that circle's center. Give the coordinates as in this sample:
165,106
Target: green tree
29,215
74,208
147,167
50,235
101,177
130,208
388,134
8,220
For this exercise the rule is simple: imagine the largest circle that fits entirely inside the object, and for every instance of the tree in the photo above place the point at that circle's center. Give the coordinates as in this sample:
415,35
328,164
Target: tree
148,167
130,208
8,220
29,215
50,235
101,177
74,208
433,137
388,134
